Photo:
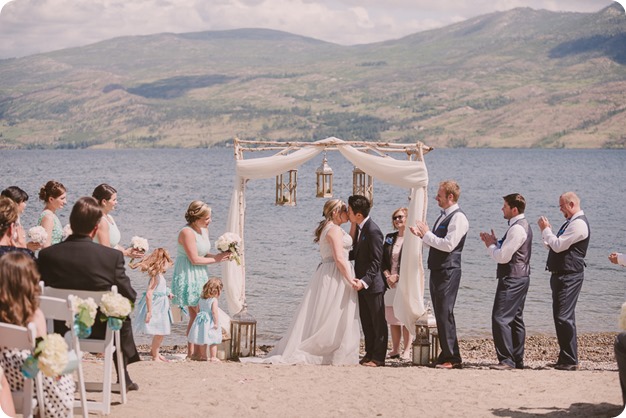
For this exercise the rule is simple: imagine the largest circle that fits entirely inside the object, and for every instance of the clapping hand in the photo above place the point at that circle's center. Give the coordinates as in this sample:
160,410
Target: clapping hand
488,239
543,223
420,229
613,258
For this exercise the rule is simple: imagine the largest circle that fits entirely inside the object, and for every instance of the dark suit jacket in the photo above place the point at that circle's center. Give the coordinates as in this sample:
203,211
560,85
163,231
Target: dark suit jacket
367,254
81,264
390,241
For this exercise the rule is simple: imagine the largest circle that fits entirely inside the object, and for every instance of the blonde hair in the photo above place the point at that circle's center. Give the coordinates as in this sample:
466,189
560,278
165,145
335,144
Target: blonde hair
212,288
8,214
395,213
330,208
197,210
451,187
19,288
157,262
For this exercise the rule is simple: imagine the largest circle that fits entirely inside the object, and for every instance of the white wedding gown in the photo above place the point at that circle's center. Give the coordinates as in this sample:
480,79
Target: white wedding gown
325,329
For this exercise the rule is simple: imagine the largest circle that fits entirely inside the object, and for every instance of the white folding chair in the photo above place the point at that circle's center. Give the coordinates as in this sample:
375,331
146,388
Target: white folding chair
106,346
23,338
61,310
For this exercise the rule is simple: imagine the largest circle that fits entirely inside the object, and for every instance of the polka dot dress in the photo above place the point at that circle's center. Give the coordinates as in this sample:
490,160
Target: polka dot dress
58,393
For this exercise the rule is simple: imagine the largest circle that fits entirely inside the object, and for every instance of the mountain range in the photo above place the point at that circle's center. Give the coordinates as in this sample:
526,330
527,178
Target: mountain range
520,78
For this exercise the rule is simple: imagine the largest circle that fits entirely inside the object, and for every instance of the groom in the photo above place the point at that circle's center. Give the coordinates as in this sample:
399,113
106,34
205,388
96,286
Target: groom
367,252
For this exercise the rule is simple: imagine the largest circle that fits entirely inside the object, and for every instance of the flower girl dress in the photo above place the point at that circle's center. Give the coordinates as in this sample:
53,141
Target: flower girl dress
161,320
202,331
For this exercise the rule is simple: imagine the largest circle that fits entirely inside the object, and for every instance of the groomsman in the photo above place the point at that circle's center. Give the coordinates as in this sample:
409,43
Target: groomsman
566,262
512,253
367,254
444,262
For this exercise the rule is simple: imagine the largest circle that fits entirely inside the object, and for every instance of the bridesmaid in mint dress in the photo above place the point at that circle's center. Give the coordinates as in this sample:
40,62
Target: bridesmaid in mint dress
108,233
192,257
54,196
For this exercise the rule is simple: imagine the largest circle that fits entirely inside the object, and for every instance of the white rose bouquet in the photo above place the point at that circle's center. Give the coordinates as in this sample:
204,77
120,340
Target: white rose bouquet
230,242
50,357
67,231
140,244
38,234
622,318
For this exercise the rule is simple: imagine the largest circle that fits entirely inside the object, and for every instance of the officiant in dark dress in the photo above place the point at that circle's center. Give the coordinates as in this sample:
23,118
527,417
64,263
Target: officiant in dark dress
81,264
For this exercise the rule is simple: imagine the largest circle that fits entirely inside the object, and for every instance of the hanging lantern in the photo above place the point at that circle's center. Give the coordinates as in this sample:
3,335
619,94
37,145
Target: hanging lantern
286,184
421,345
243,334
363,184
324,179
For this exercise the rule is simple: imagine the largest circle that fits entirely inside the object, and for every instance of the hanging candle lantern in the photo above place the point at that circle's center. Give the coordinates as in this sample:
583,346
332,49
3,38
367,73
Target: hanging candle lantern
363,184
286,184
243,334
324,179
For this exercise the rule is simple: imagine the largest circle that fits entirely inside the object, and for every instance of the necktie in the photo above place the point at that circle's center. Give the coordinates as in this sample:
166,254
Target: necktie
563,228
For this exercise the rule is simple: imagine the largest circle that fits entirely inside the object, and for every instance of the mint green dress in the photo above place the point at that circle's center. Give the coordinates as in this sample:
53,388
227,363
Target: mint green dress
188,278
57,229
114,232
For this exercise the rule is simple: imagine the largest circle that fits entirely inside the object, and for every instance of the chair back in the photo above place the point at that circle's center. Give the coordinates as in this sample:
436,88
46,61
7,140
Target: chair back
23,338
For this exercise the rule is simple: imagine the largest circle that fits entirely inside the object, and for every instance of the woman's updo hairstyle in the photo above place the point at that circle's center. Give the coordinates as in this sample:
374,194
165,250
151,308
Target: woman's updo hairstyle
197,210
51,189
103,192
330,208
8,214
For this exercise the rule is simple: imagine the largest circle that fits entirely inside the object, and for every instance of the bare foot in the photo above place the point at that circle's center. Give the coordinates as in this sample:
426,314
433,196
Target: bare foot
159,358
215,360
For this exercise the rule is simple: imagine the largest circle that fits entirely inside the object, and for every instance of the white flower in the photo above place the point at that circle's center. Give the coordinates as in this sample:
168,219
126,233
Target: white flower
38,234
84,310
139,244
67,231
622,318
115,305
230,242
51,353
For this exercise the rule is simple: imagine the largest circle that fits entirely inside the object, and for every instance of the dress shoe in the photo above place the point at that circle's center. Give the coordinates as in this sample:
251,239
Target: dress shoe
365,360
567,367
501,366
448,365
129,387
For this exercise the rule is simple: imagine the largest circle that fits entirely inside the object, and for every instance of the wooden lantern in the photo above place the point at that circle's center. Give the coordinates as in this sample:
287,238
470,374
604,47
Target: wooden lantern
243,334
286,184
363,184
324,180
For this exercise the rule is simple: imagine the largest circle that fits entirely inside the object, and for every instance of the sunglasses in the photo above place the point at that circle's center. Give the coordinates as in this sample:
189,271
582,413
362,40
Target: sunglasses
398,217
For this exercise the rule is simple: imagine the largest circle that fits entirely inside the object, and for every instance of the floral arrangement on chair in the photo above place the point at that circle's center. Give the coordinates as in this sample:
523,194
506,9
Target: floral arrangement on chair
51,357
85,311
38,234
115,309
230,242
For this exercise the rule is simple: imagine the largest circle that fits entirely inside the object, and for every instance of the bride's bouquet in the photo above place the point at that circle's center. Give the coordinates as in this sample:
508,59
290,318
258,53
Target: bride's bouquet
50,357
115,309
230,242
38,234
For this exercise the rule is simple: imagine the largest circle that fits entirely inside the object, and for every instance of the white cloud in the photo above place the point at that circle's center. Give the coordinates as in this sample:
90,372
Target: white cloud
31,26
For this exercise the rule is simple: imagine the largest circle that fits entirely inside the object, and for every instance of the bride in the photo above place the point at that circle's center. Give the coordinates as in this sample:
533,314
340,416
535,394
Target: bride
325,329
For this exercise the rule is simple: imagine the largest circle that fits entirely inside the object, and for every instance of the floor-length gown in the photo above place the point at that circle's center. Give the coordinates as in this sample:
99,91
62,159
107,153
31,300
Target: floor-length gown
325,329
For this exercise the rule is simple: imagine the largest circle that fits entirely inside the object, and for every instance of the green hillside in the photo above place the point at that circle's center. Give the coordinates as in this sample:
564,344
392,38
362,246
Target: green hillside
522,78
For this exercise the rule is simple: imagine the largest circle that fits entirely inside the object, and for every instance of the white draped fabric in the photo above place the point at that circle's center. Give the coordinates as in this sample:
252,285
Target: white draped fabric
409,302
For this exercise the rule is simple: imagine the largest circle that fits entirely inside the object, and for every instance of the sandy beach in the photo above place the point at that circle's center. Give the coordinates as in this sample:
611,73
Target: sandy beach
194,389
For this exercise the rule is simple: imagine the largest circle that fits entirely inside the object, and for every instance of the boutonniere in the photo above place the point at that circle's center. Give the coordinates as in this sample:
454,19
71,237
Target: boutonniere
389,240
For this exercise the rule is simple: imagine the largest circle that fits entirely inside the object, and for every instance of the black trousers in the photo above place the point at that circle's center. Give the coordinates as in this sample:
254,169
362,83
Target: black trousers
620,356
565,291
507,320
374,324
444,286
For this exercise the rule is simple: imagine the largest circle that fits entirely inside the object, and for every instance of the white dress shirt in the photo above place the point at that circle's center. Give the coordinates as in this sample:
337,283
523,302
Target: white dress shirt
457,228
515,237
576,231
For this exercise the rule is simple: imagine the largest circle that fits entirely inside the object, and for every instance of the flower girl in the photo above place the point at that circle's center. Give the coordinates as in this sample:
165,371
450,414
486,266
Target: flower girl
206,330
153,310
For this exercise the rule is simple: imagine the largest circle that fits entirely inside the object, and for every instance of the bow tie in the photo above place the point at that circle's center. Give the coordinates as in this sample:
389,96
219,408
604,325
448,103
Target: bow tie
442,212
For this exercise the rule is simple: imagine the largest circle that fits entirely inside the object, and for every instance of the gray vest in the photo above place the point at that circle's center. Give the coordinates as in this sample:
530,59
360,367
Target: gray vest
519,266
439,260
571,260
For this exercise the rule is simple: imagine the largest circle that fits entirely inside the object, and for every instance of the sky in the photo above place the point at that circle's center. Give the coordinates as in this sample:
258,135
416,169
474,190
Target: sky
33,26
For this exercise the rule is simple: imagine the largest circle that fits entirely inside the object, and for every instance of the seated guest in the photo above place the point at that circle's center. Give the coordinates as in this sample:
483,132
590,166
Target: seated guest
20,197
81,264
19,305
10,229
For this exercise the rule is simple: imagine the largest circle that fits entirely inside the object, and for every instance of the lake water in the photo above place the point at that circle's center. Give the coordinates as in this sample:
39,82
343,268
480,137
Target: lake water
156,186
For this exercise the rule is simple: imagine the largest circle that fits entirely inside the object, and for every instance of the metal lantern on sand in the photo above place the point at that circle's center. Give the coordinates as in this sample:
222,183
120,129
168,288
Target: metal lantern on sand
426,343
243,334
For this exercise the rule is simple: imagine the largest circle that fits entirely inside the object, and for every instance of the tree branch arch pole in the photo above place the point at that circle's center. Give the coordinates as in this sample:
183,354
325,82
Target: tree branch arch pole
371,157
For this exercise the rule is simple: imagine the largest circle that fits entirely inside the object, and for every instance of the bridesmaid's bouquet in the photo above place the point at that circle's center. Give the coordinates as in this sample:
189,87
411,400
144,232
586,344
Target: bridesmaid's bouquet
115,309
51,357
230,242
140,244
67,231
38,234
